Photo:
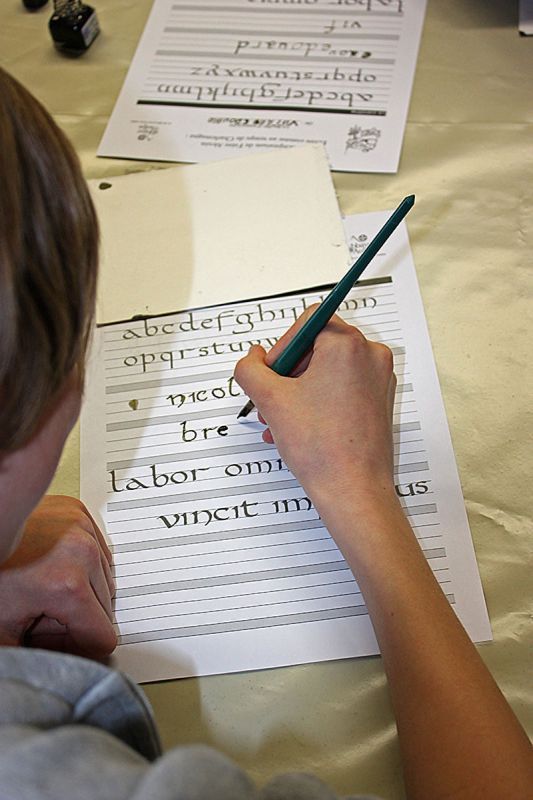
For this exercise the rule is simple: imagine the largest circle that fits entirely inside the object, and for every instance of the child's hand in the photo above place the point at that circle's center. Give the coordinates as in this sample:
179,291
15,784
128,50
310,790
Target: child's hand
332,421
56,588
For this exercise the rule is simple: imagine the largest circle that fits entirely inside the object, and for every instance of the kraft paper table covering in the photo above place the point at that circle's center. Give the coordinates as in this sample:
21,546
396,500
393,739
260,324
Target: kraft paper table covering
467,155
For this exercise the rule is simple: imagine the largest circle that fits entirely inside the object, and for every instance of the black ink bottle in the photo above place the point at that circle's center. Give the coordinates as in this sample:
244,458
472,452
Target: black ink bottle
33,5
74,26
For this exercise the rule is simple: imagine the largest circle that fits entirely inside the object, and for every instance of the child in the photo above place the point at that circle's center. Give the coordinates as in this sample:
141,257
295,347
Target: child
70,727
56,588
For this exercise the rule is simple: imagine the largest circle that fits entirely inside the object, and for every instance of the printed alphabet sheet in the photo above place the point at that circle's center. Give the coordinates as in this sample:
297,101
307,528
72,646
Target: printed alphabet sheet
218,78
222,563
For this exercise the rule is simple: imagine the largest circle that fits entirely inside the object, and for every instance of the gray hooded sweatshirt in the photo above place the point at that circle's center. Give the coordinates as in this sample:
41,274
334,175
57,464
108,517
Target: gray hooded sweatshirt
72,729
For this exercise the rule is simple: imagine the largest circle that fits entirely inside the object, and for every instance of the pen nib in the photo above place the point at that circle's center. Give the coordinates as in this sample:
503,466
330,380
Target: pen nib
246,410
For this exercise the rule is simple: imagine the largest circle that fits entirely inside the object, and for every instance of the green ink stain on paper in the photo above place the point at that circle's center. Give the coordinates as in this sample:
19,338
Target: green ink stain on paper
134,405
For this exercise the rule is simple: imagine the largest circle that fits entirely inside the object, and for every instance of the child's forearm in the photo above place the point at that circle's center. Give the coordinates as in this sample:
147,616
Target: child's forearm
459,738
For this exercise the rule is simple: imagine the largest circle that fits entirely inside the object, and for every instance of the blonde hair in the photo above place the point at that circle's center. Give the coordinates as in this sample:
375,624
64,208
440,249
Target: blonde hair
48,261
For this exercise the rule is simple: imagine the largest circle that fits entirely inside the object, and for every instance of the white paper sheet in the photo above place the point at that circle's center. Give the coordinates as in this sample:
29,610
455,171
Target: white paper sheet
526,17
219,78
213,233
222,564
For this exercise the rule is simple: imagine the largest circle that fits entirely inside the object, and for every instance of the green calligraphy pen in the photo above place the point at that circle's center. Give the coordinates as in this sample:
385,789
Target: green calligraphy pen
303,340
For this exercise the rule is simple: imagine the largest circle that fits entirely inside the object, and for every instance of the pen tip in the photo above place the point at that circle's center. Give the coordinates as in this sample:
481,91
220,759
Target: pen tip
246,410
410,199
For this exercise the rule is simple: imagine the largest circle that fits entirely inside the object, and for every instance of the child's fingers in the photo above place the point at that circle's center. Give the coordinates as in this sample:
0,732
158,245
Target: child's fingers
267,436
106,556
255,377
335,325
90,631
99,536
288,336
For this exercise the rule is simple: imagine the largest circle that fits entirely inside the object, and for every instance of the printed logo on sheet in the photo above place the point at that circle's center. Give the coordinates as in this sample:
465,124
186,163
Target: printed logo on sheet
146,131
357,244
363,139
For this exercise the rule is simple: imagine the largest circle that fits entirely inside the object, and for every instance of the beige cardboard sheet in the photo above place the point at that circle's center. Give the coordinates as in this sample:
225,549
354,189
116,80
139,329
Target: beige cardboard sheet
468,157
202,234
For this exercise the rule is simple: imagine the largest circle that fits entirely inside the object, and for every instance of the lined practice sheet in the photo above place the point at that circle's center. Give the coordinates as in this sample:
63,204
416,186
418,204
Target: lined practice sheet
222,564
216,78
